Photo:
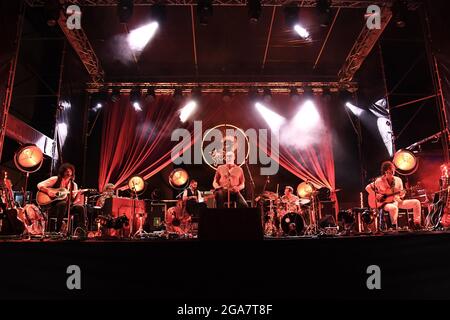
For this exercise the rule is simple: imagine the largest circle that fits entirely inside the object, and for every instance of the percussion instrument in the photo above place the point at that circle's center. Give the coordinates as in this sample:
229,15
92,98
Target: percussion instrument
32,218
292,224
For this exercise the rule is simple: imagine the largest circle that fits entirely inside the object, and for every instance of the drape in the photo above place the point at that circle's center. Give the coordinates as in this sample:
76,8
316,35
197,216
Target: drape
139,143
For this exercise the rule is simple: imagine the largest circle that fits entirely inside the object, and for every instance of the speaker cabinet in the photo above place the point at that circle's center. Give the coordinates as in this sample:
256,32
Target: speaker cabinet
230,224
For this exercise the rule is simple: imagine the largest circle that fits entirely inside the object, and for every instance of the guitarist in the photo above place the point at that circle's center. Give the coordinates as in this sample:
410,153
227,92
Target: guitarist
389,192
58,209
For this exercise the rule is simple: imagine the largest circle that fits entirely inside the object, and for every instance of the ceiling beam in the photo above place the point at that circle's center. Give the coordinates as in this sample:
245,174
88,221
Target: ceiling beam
363,46
80,43
301,3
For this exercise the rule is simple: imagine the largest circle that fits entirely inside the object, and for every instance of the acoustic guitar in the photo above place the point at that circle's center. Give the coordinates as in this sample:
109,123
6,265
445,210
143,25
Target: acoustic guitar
44,199
379,200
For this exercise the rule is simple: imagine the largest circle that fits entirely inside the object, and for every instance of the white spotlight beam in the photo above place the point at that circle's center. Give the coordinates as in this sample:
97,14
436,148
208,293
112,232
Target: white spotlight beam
138,38
273,119
302,32
354,109
187,111
308,116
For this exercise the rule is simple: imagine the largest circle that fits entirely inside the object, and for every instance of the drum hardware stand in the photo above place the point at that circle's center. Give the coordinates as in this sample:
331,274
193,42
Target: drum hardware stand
140,232
313,228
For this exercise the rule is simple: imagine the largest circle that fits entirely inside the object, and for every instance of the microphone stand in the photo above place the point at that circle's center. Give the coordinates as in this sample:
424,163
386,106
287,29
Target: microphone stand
252,184
68,204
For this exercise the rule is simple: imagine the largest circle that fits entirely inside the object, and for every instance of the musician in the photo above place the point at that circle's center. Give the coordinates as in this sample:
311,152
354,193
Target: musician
389,184
108,192
229,177
64,179
290,200
193,199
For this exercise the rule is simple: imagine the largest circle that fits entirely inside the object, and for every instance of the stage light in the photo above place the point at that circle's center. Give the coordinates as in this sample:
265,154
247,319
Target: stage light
99,99
52,10
138,38
254,10
291,15
187,110
324,11
293,93
302,32
150,96
97,107
178,94
253,94
405,162
226,95
136,185
135,99
178,178
399,12
137,106
29,158
159,13
305,190
307,117
125,10
267,95
115,95
308,93
354,109
274,120
204,11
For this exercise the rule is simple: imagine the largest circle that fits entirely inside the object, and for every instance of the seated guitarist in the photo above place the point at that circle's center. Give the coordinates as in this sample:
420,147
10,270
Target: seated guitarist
389,191
64,179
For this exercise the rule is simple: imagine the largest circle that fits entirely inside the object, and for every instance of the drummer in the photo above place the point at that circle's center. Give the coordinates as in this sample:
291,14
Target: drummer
290,201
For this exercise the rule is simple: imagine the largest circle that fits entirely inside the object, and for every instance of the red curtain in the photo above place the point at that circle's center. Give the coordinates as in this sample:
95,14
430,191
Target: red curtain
139,143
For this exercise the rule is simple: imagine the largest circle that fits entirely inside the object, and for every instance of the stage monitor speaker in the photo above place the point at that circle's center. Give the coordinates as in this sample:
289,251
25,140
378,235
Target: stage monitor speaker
9,223
156,213
230,224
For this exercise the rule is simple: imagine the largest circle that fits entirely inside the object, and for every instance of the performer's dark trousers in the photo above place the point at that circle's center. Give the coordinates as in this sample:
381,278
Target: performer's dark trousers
59,210
222,197
193,208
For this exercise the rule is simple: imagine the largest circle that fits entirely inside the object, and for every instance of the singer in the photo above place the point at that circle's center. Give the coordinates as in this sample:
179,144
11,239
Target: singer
228,182
58,209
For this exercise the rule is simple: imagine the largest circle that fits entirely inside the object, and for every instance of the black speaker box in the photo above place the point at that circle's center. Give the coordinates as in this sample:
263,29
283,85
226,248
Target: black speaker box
9,224
230,224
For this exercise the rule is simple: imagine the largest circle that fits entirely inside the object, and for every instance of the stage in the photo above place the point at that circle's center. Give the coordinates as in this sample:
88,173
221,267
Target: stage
412,266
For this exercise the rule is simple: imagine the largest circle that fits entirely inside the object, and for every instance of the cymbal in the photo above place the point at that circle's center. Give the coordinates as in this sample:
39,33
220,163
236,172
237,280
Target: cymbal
269,195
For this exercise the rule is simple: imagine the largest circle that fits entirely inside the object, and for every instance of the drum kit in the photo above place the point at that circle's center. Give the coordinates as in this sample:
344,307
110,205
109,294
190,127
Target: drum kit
295,217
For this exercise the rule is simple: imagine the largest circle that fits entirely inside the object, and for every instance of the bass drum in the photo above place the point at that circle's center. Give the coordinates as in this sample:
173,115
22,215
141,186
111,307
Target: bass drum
32,218
293,224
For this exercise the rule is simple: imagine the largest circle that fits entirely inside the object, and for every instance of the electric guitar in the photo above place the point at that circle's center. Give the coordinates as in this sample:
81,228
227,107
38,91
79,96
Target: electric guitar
379,200
44,199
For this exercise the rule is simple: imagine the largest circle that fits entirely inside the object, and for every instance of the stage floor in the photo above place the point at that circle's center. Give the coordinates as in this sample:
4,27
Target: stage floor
412,265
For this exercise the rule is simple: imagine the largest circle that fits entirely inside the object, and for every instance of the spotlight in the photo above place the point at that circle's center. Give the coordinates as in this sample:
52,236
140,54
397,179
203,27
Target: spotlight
302,32
294,94
138,38
196,94
159,13
204,11
354,109
406,162
187,110
254,10
150,96
273,119
125,10
345,96
179,179
291,15
98,100
308,93
324,11
178,94
52,10
253,94
326,95
267,95
399,12
307,117
137,185
135,99
226,95
115,95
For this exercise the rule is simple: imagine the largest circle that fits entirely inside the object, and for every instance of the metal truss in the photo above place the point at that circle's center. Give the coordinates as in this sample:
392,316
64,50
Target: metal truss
218,87
301,3
80,43
363,46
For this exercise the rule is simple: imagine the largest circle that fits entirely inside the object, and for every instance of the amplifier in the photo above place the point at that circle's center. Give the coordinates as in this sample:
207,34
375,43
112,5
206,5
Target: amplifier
118,206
